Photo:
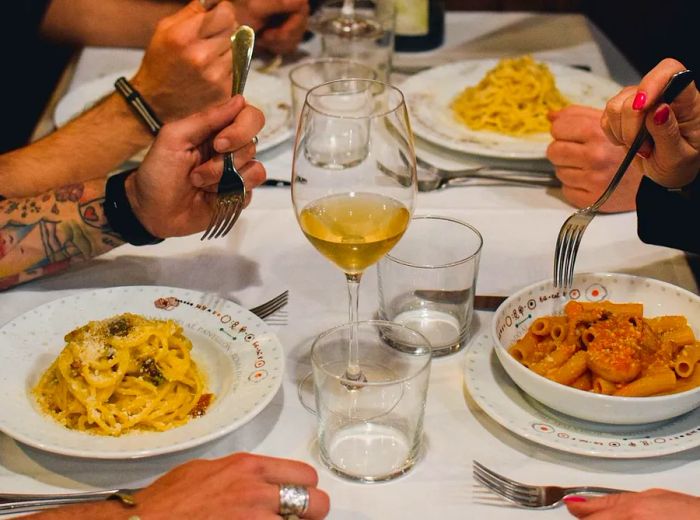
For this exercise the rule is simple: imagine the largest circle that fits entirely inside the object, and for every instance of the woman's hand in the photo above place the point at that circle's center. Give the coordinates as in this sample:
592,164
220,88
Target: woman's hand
585,160
672,159
653,504
173,192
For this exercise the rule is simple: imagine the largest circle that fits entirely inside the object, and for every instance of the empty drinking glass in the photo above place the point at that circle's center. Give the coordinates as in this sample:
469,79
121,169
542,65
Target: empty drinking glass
313,73
371,431
365,35
427,281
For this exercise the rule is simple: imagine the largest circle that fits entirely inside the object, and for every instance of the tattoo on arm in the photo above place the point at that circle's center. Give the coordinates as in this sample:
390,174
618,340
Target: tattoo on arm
44,234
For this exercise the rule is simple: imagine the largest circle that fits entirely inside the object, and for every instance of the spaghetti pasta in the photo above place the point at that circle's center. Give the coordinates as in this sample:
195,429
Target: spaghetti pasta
513,98
121,374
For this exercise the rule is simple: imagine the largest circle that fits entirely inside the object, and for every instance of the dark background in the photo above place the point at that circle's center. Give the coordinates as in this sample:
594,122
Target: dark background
645,31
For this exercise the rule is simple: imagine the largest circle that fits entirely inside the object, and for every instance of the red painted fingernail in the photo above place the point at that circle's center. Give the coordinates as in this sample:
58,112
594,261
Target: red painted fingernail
574,498
661,115
639,101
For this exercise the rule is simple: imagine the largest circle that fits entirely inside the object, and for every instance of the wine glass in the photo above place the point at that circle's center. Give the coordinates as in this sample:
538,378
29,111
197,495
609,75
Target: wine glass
350,132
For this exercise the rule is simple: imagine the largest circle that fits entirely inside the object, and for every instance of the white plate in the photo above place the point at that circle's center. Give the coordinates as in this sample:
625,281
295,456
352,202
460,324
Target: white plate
269,93
430,93
243,368
505,403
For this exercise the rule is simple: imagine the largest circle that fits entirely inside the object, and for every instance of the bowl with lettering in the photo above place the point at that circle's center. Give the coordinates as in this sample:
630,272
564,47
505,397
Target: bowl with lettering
601,362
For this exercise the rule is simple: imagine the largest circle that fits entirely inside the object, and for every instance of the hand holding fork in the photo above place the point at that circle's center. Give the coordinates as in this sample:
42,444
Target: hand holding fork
231,190
572,230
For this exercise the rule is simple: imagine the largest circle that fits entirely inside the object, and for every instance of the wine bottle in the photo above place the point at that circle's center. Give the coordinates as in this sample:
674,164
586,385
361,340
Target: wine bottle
420,25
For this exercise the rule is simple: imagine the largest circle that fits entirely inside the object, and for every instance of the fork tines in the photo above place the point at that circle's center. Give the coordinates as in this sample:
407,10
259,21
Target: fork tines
568,242
270,307
515,492
230,200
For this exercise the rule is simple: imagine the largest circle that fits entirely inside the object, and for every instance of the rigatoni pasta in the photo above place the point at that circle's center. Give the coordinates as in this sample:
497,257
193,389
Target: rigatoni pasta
610,348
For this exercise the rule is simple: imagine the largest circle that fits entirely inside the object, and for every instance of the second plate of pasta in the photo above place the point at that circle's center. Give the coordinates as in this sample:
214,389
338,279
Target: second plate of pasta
216,350
432,94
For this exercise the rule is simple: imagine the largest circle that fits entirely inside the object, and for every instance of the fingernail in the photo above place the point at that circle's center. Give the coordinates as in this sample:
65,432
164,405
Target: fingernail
197,180
661,115
639,101
574,498
222,145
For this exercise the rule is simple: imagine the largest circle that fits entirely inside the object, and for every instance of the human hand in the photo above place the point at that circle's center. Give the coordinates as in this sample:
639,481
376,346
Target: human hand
241,486
585,160
174,190
652,504
284,38
187,65
672,158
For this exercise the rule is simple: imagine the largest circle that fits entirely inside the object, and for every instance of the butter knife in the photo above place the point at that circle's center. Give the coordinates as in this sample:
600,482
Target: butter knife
12,503
481,302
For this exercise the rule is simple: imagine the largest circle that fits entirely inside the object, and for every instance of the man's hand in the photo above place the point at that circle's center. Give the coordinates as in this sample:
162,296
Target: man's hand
585,161
174,190
187,65
283,38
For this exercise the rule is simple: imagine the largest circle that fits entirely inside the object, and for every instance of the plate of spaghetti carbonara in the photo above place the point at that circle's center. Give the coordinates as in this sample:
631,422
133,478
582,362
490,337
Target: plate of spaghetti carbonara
131,372
498,108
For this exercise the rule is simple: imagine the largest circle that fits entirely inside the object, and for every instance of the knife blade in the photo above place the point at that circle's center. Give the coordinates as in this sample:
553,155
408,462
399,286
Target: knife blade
482,302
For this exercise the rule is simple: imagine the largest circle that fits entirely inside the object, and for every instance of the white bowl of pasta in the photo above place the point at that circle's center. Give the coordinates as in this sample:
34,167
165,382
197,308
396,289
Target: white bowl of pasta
619,350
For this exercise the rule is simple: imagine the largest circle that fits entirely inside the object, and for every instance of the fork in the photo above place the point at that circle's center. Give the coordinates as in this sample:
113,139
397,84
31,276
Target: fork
572,230
268,308
231,191
530,496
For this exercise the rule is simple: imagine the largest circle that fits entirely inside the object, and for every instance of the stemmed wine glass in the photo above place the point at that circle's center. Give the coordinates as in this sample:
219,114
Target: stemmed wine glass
350,131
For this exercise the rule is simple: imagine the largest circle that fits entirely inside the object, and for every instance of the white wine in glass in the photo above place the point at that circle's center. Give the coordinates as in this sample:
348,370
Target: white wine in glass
350,132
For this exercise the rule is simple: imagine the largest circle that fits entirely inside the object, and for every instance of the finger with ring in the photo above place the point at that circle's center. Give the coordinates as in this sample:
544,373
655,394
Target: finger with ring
294,500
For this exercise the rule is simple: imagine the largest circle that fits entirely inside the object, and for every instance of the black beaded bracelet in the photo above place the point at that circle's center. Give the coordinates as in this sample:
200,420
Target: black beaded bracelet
121,217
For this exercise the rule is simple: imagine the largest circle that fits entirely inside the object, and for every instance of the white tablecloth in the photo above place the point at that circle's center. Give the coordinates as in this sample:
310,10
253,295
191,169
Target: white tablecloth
266,252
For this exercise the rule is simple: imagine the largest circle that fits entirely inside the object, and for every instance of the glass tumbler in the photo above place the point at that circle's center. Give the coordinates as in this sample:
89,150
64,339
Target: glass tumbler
371,431
368,39
427,282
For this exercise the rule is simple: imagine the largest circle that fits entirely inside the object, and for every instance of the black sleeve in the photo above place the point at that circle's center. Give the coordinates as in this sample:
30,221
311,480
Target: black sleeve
669,218
27,14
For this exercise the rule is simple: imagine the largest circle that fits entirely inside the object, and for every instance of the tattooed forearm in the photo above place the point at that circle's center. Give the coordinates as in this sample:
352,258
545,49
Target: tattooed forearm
44,234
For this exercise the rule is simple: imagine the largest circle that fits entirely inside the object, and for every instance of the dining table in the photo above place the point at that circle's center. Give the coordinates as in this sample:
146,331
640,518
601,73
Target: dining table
266,253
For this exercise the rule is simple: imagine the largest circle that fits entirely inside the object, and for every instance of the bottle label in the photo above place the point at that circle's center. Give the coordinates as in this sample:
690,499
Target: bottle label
412,17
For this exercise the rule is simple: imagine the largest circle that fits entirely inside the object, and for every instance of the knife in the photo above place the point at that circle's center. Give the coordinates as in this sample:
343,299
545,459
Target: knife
481,302
276,182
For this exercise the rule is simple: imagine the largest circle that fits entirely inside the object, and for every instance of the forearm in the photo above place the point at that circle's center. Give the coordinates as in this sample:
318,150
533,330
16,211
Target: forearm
88,147
116,23
44,234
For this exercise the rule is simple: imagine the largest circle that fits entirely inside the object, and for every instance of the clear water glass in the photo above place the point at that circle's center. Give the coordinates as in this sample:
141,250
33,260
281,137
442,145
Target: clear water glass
313,73
427,282
366,38
374,432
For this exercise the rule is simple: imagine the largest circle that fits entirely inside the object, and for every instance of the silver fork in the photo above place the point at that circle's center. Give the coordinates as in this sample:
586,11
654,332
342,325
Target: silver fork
571,232
530,496
269,308
231,190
